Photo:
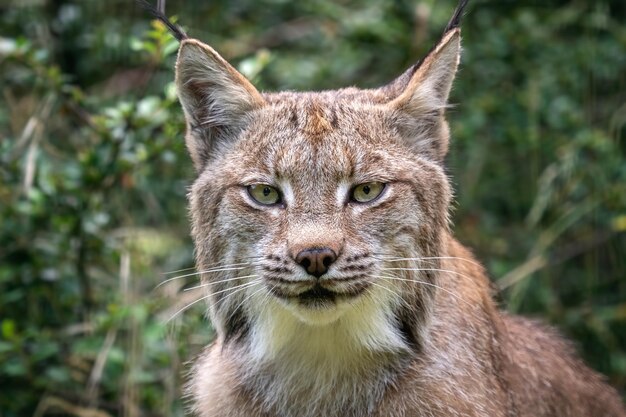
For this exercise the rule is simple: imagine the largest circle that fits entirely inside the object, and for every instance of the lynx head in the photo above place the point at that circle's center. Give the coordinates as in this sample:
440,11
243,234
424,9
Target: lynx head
319,211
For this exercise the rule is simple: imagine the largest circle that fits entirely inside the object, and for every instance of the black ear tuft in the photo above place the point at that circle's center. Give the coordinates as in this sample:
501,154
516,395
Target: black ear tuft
176,30
455,21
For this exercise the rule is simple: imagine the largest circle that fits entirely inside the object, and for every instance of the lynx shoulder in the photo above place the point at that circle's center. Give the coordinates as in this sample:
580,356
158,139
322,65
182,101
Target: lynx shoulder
321,225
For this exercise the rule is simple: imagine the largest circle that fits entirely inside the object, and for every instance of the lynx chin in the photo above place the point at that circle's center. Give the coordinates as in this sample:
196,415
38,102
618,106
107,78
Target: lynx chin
322,231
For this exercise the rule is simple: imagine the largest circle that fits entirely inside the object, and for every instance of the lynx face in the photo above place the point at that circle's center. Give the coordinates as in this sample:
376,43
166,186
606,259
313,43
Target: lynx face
305,202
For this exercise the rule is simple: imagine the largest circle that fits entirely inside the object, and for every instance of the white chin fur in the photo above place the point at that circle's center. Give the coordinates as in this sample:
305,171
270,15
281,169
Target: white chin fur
365,323
318,315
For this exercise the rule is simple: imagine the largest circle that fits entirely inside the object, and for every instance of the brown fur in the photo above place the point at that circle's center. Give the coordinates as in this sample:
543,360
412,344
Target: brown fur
416,332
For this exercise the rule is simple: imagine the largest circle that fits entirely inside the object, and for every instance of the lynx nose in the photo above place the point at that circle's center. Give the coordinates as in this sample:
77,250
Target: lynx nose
316,260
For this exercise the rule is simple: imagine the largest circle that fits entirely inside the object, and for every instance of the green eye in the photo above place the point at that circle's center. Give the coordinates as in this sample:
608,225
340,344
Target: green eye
364,193
264,194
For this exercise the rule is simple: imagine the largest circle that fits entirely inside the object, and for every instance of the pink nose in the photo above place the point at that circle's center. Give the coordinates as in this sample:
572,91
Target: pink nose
316,260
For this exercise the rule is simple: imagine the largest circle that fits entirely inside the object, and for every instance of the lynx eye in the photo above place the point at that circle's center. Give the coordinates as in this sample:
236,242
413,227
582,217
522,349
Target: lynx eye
264,194
364,193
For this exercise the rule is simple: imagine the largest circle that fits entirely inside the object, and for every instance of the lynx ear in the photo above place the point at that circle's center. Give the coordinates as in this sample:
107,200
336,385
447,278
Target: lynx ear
421,97
216,99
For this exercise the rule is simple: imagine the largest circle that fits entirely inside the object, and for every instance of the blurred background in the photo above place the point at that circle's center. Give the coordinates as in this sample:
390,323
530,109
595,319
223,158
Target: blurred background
93,173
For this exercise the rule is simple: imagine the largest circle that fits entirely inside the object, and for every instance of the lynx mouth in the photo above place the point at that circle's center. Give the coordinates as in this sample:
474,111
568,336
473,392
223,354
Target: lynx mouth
317,296
320,297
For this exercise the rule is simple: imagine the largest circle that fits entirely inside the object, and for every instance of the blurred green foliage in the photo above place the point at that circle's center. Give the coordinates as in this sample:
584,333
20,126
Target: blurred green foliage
93,173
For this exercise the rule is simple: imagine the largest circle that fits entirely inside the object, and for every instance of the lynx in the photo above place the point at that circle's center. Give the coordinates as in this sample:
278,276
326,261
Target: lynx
322,231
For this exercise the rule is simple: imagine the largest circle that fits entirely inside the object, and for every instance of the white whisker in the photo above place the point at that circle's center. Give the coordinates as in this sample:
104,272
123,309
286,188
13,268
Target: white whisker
249,296
390,258
178,270
240,288
427,269
219,282
234,267
383,287
220,263
267,296
234,289
430,284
